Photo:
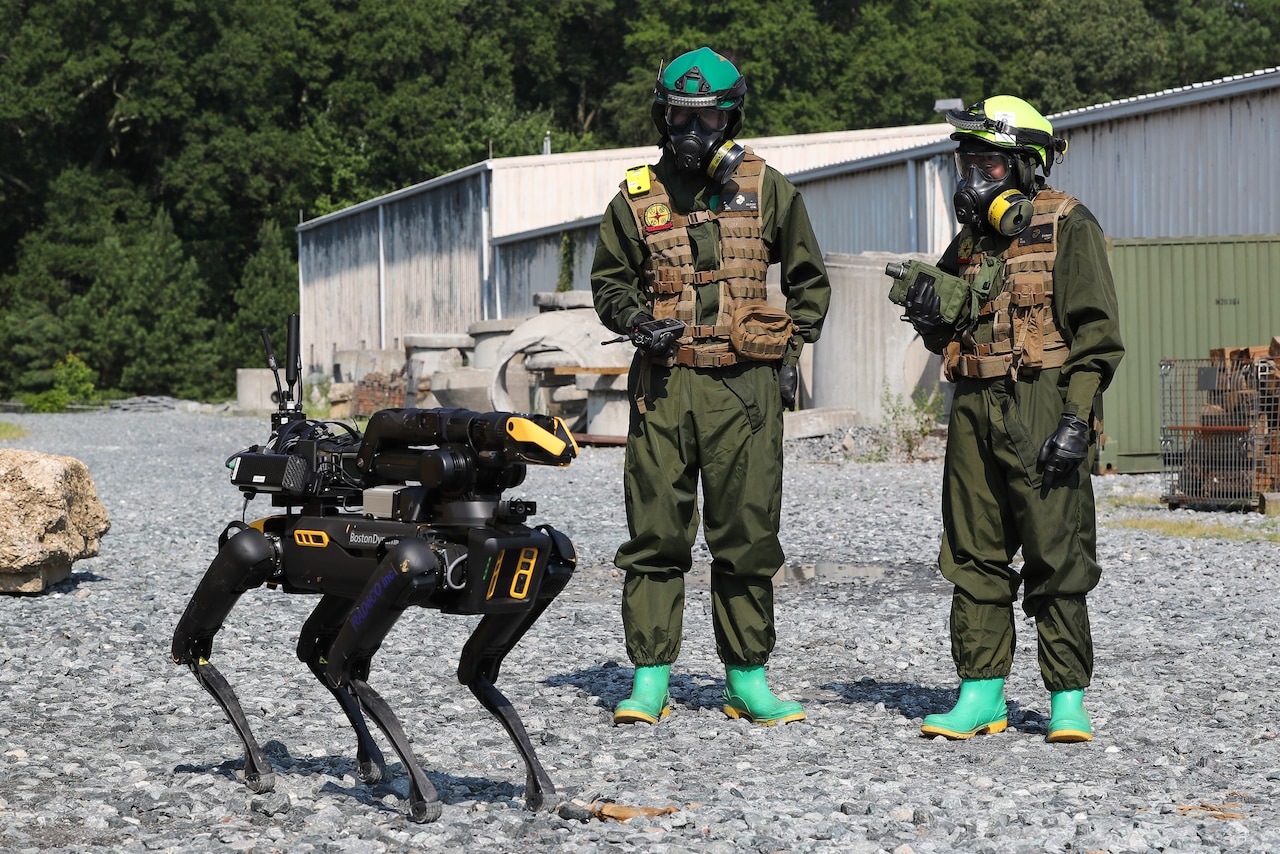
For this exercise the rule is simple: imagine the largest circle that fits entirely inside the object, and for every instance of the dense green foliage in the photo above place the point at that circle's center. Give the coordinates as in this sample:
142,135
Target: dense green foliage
155,156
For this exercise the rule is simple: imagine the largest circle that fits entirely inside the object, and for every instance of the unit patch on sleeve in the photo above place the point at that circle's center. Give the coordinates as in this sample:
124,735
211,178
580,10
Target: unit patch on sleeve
742,202
965,250
657,217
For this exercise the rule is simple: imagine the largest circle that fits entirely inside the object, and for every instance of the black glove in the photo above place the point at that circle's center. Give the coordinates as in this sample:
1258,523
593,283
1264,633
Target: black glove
656,337
788,382
1062,453
923,308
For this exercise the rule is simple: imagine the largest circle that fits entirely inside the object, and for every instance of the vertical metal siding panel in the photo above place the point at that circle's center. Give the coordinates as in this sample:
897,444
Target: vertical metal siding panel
586,252
339,273
936,181
877,221
433,244
1196,171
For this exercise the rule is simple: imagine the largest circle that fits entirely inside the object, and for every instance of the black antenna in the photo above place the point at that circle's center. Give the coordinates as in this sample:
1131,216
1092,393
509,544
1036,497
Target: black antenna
273,365
293,365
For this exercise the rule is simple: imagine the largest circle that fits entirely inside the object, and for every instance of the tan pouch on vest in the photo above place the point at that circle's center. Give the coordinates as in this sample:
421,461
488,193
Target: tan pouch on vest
760,332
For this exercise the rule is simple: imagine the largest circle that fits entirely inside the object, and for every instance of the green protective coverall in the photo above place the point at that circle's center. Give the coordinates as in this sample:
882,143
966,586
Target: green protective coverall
993,498
721,425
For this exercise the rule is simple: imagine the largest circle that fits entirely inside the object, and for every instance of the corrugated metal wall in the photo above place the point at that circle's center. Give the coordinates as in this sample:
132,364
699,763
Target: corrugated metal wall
903,205
879,220
1199,170
338,308
1185,163
526,266
1178,299
435,258
411,263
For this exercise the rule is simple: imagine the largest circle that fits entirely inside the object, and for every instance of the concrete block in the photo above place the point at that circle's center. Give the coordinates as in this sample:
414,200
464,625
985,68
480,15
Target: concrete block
463,388
254,389
807,423
558,300
489,336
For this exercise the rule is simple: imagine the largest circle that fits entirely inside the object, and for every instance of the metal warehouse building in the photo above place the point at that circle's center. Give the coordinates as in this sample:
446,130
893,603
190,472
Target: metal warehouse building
1185,183
476,244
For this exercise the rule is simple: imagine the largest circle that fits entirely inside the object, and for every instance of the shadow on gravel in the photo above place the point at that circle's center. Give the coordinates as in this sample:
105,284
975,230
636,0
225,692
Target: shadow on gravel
914,701
68,585
451,789
610,683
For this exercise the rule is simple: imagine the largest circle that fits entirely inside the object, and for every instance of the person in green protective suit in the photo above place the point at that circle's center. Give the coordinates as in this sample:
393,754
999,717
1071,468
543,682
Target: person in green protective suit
1038,342
680,269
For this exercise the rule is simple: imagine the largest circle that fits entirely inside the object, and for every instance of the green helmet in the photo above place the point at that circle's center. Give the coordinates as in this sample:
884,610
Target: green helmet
1004,121
700,78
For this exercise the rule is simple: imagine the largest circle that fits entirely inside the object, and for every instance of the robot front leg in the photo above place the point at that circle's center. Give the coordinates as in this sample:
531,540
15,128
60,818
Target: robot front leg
408,575
494,637
245,560
318,635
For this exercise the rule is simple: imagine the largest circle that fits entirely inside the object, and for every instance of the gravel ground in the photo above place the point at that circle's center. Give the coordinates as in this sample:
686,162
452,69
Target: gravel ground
108,745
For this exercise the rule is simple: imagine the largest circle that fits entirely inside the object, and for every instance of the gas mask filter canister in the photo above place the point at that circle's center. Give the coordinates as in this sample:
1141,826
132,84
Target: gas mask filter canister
1010,212
725,160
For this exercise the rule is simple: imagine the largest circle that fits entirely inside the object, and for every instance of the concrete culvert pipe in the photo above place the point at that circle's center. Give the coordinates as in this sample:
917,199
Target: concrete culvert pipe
525,377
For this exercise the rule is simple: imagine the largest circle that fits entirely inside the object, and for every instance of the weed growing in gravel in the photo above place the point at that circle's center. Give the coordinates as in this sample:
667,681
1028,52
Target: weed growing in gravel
1140,501
11,431
906,423
1199,530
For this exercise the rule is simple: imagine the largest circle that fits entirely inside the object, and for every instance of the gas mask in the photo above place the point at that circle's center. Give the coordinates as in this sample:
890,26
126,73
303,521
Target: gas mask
990,191
696,140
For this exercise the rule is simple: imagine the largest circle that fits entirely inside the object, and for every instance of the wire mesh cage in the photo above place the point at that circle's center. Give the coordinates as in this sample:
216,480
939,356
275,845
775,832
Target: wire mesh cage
1219,431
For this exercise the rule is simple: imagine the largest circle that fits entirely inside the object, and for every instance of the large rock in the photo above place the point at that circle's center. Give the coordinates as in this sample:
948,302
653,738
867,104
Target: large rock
50,517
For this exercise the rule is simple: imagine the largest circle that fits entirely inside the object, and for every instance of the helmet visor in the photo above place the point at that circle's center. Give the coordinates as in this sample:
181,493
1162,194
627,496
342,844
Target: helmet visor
711,119
992,164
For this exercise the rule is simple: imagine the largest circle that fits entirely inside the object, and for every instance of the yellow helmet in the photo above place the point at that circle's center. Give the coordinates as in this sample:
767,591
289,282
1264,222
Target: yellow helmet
1005,121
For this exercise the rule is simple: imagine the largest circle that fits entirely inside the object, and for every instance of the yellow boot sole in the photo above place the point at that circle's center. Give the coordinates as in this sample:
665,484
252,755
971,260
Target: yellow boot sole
1063,736
635,716
985,729
736,713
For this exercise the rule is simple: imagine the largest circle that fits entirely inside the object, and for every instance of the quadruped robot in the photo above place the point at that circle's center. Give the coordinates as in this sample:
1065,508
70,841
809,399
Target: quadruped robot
409,513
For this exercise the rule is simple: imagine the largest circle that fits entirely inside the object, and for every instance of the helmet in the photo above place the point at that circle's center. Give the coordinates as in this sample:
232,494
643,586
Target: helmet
1007,122
1001,141
697,104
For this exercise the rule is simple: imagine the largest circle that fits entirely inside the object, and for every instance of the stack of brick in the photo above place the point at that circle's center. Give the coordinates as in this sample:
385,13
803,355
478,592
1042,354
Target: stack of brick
1236,451
378,391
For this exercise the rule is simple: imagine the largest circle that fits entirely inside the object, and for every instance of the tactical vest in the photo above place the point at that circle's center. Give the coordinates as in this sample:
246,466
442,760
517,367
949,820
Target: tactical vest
671,280
1024,336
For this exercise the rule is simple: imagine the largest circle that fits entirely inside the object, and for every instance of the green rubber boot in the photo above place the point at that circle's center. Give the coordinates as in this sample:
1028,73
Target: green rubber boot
747,696
1069,721
649,699
980,708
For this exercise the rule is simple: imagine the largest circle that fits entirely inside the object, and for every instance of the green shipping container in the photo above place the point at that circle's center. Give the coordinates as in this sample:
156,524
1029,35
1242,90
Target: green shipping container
1179,299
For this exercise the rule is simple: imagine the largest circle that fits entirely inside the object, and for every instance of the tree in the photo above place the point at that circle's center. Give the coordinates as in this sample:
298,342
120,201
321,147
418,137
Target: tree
267,295
144,320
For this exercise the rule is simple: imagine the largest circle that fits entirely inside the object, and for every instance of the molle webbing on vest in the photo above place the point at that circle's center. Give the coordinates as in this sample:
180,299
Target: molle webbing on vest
669,273
1024,336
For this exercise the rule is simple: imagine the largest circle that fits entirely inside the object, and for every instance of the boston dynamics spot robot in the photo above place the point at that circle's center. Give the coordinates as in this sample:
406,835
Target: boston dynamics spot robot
408,514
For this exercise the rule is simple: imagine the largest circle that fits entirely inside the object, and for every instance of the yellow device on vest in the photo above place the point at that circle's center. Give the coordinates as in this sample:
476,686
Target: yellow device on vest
638,180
